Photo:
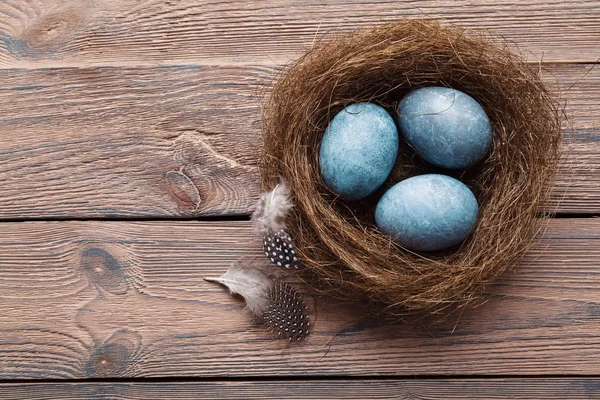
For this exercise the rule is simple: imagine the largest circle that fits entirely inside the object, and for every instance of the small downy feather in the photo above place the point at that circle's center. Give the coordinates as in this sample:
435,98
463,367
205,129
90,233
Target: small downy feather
249,282
274,304
272,209
269,220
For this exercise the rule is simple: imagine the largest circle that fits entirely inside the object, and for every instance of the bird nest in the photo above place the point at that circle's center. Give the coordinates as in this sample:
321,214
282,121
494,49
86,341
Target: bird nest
338,242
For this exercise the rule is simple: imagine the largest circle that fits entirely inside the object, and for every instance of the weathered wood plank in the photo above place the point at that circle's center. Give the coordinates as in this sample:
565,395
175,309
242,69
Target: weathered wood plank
183,141
110,142
127,299
50,33
447,389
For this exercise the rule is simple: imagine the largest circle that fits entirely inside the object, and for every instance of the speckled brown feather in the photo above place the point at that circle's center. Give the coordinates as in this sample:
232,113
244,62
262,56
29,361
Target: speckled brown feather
272,303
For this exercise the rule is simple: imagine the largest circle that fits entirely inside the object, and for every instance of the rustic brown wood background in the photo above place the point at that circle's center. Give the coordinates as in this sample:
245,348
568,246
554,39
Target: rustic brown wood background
129,132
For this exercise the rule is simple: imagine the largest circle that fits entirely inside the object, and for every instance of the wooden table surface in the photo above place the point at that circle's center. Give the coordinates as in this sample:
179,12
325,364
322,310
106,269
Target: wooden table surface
129,132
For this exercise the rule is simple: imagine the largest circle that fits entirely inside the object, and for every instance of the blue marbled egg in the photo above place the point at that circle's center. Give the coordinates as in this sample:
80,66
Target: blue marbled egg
427,212
445,126
358,150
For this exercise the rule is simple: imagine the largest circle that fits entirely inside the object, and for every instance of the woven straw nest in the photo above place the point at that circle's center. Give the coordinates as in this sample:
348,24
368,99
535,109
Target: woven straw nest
338,241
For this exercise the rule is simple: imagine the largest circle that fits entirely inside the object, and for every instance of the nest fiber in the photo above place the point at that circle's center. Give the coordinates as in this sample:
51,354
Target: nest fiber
338,241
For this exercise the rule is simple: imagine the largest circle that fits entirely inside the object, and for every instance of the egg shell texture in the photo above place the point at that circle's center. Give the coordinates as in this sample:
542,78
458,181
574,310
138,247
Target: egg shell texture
427,212
358,150
446,127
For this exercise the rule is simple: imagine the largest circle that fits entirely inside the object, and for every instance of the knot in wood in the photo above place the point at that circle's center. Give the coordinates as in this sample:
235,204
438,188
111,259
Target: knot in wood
108,361
103,270
182,189
114,357
50,31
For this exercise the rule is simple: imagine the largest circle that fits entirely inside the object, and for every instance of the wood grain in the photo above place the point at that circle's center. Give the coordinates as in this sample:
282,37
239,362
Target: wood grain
147,108
127,299
447,389
106,142
184,141
52,33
